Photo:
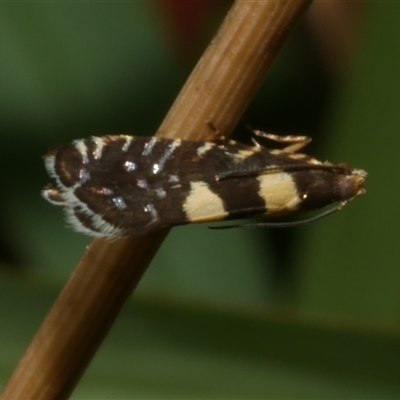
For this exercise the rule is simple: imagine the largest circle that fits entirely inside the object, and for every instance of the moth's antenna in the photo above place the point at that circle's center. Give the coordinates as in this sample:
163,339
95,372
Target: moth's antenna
289,224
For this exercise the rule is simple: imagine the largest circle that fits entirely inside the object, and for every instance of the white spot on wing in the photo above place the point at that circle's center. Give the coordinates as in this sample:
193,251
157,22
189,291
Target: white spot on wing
202,204
128,141
148,147
158,167
84,176
106,191
99,144
142,183
161,193
204,148
149,208
130,166
173,178
119,203
81,147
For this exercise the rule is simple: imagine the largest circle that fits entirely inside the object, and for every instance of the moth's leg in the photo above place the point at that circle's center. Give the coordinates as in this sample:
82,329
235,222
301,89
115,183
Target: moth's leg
295,142
254,140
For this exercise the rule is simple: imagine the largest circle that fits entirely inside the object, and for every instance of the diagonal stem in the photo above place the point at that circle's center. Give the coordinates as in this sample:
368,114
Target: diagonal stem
215,95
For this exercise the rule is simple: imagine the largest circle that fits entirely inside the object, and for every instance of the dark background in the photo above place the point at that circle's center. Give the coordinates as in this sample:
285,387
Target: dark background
311,312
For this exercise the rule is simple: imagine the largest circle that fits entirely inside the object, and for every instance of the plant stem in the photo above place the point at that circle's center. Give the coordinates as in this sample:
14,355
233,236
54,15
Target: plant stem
215,95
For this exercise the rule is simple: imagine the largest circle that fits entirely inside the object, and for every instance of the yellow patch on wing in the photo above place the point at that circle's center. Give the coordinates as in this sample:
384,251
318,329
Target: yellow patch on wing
202,204
204,148
243,154
279,192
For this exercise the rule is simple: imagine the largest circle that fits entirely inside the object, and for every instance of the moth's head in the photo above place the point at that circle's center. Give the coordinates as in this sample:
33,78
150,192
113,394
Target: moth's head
351,185
325,184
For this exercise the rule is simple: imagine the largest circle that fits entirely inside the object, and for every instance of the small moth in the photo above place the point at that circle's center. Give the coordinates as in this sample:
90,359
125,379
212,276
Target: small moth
127,186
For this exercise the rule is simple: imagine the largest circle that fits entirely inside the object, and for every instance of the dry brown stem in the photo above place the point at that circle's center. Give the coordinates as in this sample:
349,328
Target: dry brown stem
216,93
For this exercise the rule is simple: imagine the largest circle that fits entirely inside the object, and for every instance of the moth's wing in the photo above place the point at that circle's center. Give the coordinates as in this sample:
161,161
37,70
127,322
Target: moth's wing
121,193
129,186
122,211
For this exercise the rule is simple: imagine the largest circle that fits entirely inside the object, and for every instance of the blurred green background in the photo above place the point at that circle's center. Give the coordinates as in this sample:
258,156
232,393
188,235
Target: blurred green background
311,312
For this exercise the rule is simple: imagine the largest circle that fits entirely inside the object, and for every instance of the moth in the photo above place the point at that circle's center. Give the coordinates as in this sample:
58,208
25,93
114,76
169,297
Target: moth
127,186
